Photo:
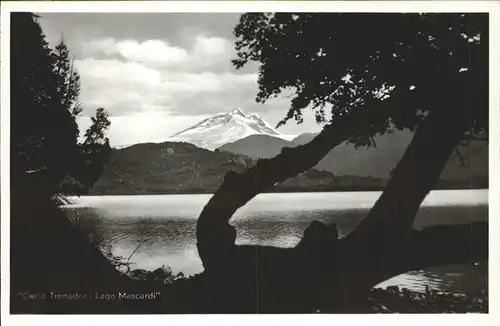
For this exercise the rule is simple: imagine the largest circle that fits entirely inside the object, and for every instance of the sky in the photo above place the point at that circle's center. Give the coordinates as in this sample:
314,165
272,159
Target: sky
159,73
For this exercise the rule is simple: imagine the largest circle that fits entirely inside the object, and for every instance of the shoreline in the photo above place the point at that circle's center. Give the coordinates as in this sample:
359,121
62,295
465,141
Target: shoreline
277,191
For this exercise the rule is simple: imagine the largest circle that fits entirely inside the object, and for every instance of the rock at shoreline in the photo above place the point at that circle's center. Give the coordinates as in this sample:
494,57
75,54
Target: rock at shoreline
162,272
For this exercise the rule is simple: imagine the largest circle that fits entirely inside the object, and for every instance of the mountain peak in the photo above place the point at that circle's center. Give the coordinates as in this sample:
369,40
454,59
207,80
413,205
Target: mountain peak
254,116
224,128
239,112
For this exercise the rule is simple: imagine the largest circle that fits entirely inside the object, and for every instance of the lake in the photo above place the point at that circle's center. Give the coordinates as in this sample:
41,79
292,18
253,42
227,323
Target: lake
161,228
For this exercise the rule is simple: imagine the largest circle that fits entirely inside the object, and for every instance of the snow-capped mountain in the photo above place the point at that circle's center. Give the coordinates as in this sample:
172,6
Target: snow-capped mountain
223,128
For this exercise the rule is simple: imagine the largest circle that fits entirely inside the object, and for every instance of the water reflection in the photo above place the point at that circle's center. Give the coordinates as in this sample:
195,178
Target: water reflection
163,228
454,278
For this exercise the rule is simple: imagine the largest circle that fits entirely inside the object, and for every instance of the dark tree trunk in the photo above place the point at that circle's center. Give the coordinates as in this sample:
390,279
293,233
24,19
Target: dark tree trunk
388,226
213,233
377,250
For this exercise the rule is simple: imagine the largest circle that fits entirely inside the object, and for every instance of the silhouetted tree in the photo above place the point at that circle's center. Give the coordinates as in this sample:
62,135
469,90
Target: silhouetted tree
424,72
95,134
44,105
30,80
67,78
347,63
95,149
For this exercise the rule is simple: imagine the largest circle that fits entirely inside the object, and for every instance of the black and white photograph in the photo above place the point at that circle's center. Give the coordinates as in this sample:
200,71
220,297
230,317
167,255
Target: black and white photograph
248,162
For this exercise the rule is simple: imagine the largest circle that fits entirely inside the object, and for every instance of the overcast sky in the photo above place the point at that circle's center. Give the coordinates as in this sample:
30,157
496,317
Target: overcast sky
160,73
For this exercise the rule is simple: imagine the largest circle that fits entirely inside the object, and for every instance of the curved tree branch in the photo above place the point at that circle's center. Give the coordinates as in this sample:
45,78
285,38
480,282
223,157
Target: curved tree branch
414,176
389,223
237,189
358,264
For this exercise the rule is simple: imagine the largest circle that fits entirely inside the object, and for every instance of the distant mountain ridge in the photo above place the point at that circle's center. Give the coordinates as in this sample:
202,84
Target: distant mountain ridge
257,146
223,128
376,162
197,158
176,167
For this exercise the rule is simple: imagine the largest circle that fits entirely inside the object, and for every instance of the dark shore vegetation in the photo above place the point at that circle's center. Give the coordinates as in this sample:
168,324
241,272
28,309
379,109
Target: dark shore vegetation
422,55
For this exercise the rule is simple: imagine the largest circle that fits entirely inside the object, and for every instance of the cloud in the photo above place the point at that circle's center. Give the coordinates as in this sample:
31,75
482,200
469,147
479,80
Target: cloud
127,76
205,53
135,81
158,73
177,28
212,46
125,87
141,127
112,70
150,51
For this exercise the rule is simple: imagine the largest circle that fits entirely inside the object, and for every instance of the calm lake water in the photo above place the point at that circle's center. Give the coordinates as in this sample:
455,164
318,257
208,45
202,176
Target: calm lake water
163,226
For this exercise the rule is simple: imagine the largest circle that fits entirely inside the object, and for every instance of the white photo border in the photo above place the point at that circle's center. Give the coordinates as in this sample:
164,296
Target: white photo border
492,7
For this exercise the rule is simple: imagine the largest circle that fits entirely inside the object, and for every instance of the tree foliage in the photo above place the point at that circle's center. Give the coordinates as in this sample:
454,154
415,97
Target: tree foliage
96,132
44,103
373,73
67,78
389,69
